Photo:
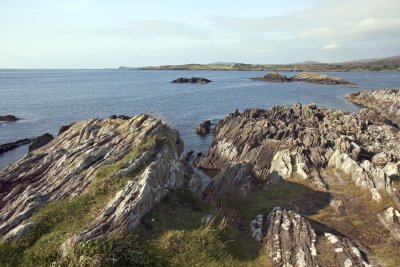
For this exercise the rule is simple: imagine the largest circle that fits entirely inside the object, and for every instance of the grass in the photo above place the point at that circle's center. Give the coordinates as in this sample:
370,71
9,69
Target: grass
173,234
61,219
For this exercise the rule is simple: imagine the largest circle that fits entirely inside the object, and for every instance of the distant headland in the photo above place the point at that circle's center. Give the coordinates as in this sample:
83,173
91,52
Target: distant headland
376,64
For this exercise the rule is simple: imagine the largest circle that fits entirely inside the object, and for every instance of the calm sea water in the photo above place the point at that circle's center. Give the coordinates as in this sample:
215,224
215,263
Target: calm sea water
47,99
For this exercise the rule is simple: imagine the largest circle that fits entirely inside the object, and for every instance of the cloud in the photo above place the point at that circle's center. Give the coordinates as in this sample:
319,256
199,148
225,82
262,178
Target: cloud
330,46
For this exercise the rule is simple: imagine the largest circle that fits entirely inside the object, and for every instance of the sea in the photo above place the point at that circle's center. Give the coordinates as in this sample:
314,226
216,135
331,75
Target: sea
48,99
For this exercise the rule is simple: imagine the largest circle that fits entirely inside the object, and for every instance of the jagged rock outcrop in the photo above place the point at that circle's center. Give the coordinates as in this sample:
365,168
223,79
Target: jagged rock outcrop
142,151
311,77
192,80
273,77
290,240
237,180
35,143
385,103
204,128
390,219
8,118
298,142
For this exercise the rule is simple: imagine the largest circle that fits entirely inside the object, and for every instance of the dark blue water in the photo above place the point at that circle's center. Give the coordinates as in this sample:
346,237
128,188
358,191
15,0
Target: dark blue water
47,99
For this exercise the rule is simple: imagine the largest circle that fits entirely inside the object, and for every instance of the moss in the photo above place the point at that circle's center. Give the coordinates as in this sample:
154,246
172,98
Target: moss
61,219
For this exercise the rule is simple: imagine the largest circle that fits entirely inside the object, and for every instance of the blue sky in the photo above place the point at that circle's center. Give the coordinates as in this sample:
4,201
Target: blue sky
111,33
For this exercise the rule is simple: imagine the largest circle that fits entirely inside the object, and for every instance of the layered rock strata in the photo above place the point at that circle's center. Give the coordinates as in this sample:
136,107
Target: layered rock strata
299,142
141,153
384,102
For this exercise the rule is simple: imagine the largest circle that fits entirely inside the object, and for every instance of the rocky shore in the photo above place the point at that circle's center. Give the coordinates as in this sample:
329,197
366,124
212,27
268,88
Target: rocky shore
309,77
383,102
295,185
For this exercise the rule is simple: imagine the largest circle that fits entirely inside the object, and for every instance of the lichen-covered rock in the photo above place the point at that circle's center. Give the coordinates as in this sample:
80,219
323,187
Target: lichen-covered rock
390,219
290,240
237,180
142,151
296,143
385,102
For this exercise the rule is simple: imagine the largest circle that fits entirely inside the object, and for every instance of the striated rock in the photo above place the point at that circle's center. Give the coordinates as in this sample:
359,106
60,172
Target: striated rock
204,128
311,77
13,145
237,180
385,102
296,143
290,240
142,151
40,141
273,77
8,118
191,80
390,219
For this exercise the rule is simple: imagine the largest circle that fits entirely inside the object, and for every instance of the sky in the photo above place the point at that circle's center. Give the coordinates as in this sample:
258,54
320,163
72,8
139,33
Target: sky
113,33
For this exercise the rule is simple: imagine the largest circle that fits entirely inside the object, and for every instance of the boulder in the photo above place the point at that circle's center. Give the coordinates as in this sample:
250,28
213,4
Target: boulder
204,128
192,80
290,240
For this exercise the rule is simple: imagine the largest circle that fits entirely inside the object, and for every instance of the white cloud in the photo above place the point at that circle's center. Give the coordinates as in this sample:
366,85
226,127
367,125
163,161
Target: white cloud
330,46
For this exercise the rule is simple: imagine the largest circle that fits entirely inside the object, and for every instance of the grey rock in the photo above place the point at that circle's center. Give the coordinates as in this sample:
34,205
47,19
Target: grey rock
191,80
204,128
390,219
237,180
67,166
40,141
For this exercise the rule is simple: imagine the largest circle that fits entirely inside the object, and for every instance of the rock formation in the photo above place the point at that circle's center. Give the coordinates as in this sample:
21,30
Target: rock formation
204,128
191,80
40,141
297,142
237,181
13,145
290,240
8,118
140,154
273,77
384,102
311,77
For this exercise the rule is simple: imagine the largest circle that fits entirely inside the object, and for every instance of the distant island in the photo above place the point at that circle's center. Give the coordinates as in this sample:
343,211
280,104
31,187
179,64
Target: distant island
377,64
